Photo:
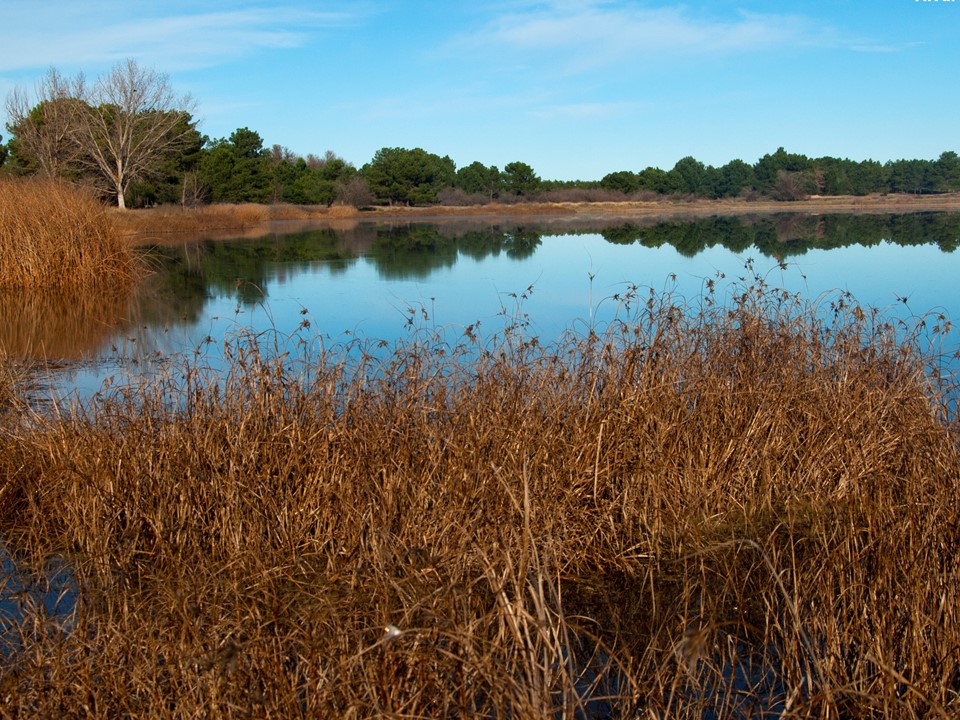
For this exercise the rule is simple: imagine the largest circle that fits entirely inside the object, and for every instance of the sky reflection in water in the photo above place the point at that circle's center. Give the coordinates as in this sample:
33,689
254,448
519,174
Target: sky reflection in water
365,283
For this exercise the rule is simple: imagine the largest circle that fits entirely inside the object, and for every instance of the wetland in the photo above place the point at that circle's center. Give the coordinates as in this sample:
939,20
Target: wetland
460,468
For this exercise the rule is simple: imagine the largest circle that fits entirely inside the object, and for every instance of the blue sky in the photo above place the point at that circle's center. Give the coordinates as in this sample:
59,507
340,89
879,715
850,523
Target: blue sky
575,88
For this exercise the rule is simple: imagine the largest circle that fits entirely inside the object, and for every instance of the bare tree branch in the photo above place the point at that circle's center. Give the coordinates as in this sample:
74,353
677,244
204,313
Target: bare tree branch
44,132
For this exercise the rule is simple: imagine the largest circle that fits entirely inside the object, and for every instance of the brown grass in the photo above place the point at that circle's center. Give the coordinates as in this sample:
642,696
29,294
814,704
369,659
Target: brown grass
157,224
175,219
733,510
216,221
54,235
10,378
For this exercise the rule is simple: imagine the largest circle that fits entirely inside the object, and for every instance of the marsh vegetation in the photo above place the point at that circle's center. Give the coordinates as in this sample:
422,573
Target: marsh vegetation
738,503
738,508
59,237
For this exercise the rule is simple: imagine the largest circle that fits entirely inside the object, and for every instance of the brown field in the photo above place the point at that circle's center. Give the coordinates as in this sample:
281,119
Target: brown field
159,224
724,512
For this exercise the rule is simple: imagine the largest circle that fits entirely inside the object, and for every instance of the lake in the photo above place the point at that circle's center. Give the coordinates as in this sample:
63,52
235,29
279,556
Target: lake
388,281
375,281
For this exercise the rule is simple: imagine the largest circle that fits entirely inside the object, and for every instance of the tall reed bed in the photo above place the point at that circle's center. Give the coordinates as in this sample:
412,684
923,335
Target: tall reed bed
741,510
57,235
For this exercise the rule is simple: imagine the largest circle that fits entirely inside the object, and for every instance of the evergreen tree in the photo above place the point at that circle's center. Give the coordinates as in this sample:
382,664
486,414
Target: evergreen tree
235,169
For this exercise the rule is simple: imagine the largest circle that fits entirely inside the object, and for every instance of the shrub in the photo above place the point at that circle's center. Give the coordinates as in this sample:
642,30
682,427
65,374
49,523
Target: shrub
581,195
457,197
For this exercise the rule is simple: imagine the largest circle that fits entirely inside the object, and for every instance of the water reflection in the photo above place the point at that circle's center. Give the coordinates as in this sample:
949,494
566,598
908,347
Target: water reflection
415,251
244,269
364,278
62,326
782,236
34,598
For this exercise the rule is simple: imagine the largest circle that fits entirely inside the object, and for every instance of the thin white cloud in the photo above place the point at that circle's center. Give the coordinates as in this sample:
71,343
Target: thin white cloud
880,48
173,36
428,103
590,35
585,110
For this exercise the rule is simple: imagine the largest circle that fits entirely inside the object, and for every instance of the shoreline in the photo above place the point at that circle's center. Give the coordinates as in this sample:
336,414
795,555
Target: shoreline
223,220
673,207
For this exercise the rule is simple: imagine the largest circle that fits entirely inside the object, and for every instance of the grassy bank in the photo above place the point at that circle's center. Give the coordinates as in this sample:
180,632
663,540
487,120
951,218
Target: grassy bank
221,220
54,235
158,224
733,509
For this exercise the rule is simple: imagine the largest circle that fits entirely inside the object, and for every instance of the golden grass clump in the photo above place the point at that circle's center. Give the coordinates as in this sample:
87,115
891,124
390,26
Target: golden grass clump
175,223
746,511
57,235
175,220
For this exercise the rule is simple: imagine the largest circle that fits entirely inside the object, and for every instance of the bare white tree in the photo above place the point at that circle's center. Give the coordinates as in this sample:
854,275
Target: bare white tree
131,122
122,128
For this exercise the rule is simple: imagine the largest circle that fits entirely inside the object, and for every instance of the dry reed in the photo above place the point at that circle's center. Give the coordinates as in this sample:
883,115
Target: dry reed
10,377
219,220
745,511
54,235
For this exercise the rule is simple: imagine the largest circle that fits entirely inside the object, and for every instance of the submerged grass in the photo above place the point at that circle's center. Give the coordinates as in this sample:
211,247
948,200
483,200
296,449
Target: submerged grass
745,510
54,235
11,381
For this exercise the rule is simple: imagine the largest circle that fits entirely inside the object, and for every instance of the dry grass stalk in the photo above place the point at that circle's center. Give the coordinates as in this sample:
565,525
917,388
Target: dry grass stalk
58,236
743,510
230,220
12,379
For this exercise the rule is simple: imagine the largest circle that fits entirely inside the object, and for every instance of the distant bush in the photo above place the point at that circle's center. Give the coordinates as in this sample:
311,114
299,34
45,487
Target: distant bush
560,195
456,197
793,186
644,196
355,192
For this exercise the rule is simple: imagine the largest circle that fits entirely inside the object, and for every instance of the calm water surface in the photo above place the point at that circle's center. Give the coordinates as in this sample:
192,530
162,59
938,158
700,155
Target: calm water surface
370,281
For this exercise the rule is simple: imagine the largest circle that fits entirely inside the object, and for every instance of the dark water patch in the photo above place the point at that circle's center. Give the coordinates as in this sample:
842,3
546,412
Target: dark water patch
34,601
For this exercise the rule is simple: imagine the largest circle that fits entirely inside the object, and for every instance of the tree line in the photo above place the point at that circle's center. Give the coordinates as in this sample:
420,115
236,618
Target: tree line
790,176
129,135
